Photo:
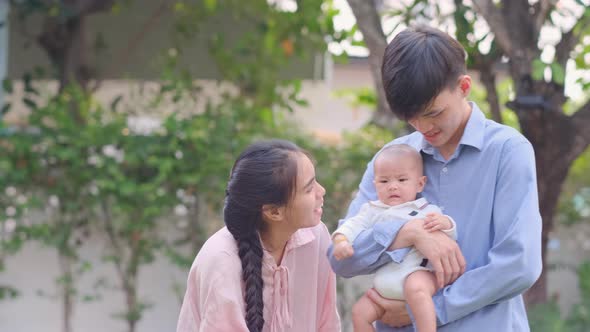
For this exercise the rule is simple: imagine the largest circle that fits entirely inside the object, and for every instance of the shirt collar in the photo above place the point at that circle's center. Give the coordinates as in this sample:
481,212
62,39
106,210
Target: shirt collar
473,135
474,130
418,203
301,237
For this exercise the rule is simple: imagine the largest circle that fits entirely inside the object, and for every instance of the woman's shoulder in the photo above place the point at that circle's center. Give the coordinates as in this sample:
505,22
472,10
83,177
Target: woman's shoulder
218,252
321,230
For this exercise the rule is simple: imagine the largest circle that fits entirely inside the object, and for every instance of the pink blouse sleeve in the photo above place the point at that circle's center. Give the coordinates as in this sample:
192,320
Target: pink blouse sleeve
329,319
213,299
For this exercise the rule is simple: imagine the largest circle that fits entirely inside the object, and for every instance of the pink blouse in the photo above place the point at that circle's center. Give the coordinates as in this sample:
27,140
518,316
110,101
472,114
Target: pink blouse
299,295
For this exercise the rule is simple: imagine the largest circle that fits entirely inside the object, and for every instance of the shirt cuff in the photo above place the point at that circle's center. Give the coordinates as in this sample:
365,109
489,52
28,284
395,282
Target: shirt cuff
438,300
451,232
384,233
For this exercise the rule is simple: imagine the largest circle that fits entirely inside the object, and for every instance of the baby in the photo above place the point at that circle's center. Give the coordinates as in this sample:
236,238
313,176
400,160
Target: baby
398,180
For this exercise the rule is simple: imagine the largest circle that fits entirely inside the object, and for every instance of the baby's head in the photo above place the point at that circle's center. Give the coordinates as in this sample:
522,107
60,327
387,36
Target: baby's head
398,174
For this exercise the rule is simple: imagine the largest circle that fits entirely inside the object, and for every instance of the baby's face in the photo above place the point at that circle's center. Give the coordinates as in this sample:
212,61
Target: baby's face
397,180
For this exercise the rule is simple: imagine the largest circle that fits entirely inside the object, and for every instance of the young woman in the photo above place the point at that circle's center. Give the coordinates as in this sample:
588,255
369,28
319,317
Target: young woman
266,270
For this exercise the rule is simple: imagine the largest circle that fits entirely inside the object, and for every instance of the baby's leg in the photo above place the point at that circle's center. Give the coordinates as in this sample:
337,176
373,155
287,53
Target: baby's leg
364,313
418,290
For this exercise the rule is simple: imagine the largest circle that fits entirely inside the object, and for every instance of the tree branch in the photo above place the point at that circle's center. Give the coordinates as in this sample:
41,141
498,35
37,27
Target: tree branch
542,9
369,23
488,78
569,40
110,231
88,7
497,24
581,121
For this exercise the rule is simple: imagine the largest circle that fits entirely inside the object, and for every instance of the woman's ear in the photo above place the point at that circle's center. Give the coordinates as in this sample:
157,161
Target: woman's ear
273,213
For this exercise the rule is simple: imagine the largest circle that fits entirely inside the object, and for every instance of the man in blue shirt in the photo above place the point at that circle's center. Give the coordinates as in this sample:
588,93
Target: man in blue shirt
479,172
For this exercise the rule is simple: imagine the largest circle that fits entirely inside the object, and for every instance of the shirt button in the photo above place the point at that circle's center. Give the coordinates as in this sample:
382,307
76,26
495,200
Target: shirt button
444,169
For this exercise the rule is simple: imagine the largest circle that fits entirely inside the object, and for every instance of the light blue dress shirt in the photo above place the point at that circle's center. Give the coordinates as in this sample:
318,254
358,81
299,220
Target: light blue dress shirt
489,187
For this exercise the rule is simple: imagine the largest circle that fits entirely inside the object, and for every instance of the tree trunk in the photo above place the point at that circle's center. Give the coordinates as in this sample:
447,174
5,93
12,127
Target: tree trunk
488,78
134,312
369,23
552,134
558,139
65,45
132,315
550,177
196,232
65,264
63,38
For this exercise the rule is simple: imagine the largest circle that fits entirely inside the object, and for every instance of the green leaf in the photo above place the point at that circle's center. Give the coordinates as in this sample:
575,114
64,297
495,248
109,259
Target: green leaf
8,292
358,43
7,85
210,5
266,116
5,108
27,80
538,70
584,278
30,103
557,73
116,102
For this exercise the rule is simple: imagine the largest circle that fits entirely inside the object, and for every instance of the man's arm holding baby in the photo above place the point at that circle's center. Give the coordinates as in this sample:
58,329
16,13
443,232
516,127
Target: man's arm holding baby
389,241
439,248
425,234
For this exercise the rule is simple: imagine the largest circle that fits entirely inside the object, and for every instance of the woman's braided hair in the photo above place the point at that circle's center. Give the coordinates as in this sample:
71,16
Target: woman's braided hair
265,173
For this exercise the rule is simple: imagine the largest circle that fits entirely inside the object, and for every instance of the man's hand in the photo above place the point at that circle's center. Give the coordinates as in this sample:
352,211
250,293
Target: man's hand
443,253
437,222
395,314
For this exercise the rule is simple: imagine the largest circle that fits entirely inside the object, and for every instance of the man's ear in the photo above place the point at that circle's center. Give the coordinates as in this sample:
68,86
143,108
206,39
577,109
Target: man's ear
273,213
465,84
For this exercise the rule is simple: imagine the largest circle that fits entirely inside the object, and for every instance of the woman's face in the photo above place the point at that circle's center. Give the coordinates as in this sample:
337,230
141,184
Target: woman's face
305,208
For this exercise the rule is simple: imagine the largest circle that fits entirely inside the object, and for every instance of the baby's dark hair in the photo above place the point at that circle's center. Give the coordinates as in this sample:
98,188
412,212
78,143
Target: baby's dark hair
264,173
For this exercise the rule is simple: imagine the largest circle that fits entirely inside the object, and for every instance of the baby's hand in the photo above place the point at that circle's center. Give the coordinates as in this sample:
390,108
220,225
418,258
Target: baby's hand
343,250
436,222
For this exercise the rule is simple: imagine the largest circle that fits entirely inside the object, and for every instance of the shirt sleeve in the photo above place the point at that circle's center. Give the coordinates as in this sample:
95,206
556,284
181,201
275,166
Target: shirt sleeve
227,316
352,226
213,300
451,232
329,318
370,246
514,260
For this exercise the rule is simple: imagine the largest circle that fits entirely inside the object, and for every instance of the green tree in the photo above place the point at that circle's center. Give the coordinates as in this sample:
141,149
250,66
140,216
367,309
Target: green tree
64,35
102,177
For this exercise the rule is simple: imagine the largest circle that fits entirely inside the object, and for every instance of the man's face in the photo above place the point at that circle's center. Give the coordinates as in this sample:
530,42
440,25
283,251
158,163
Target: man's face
443,122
